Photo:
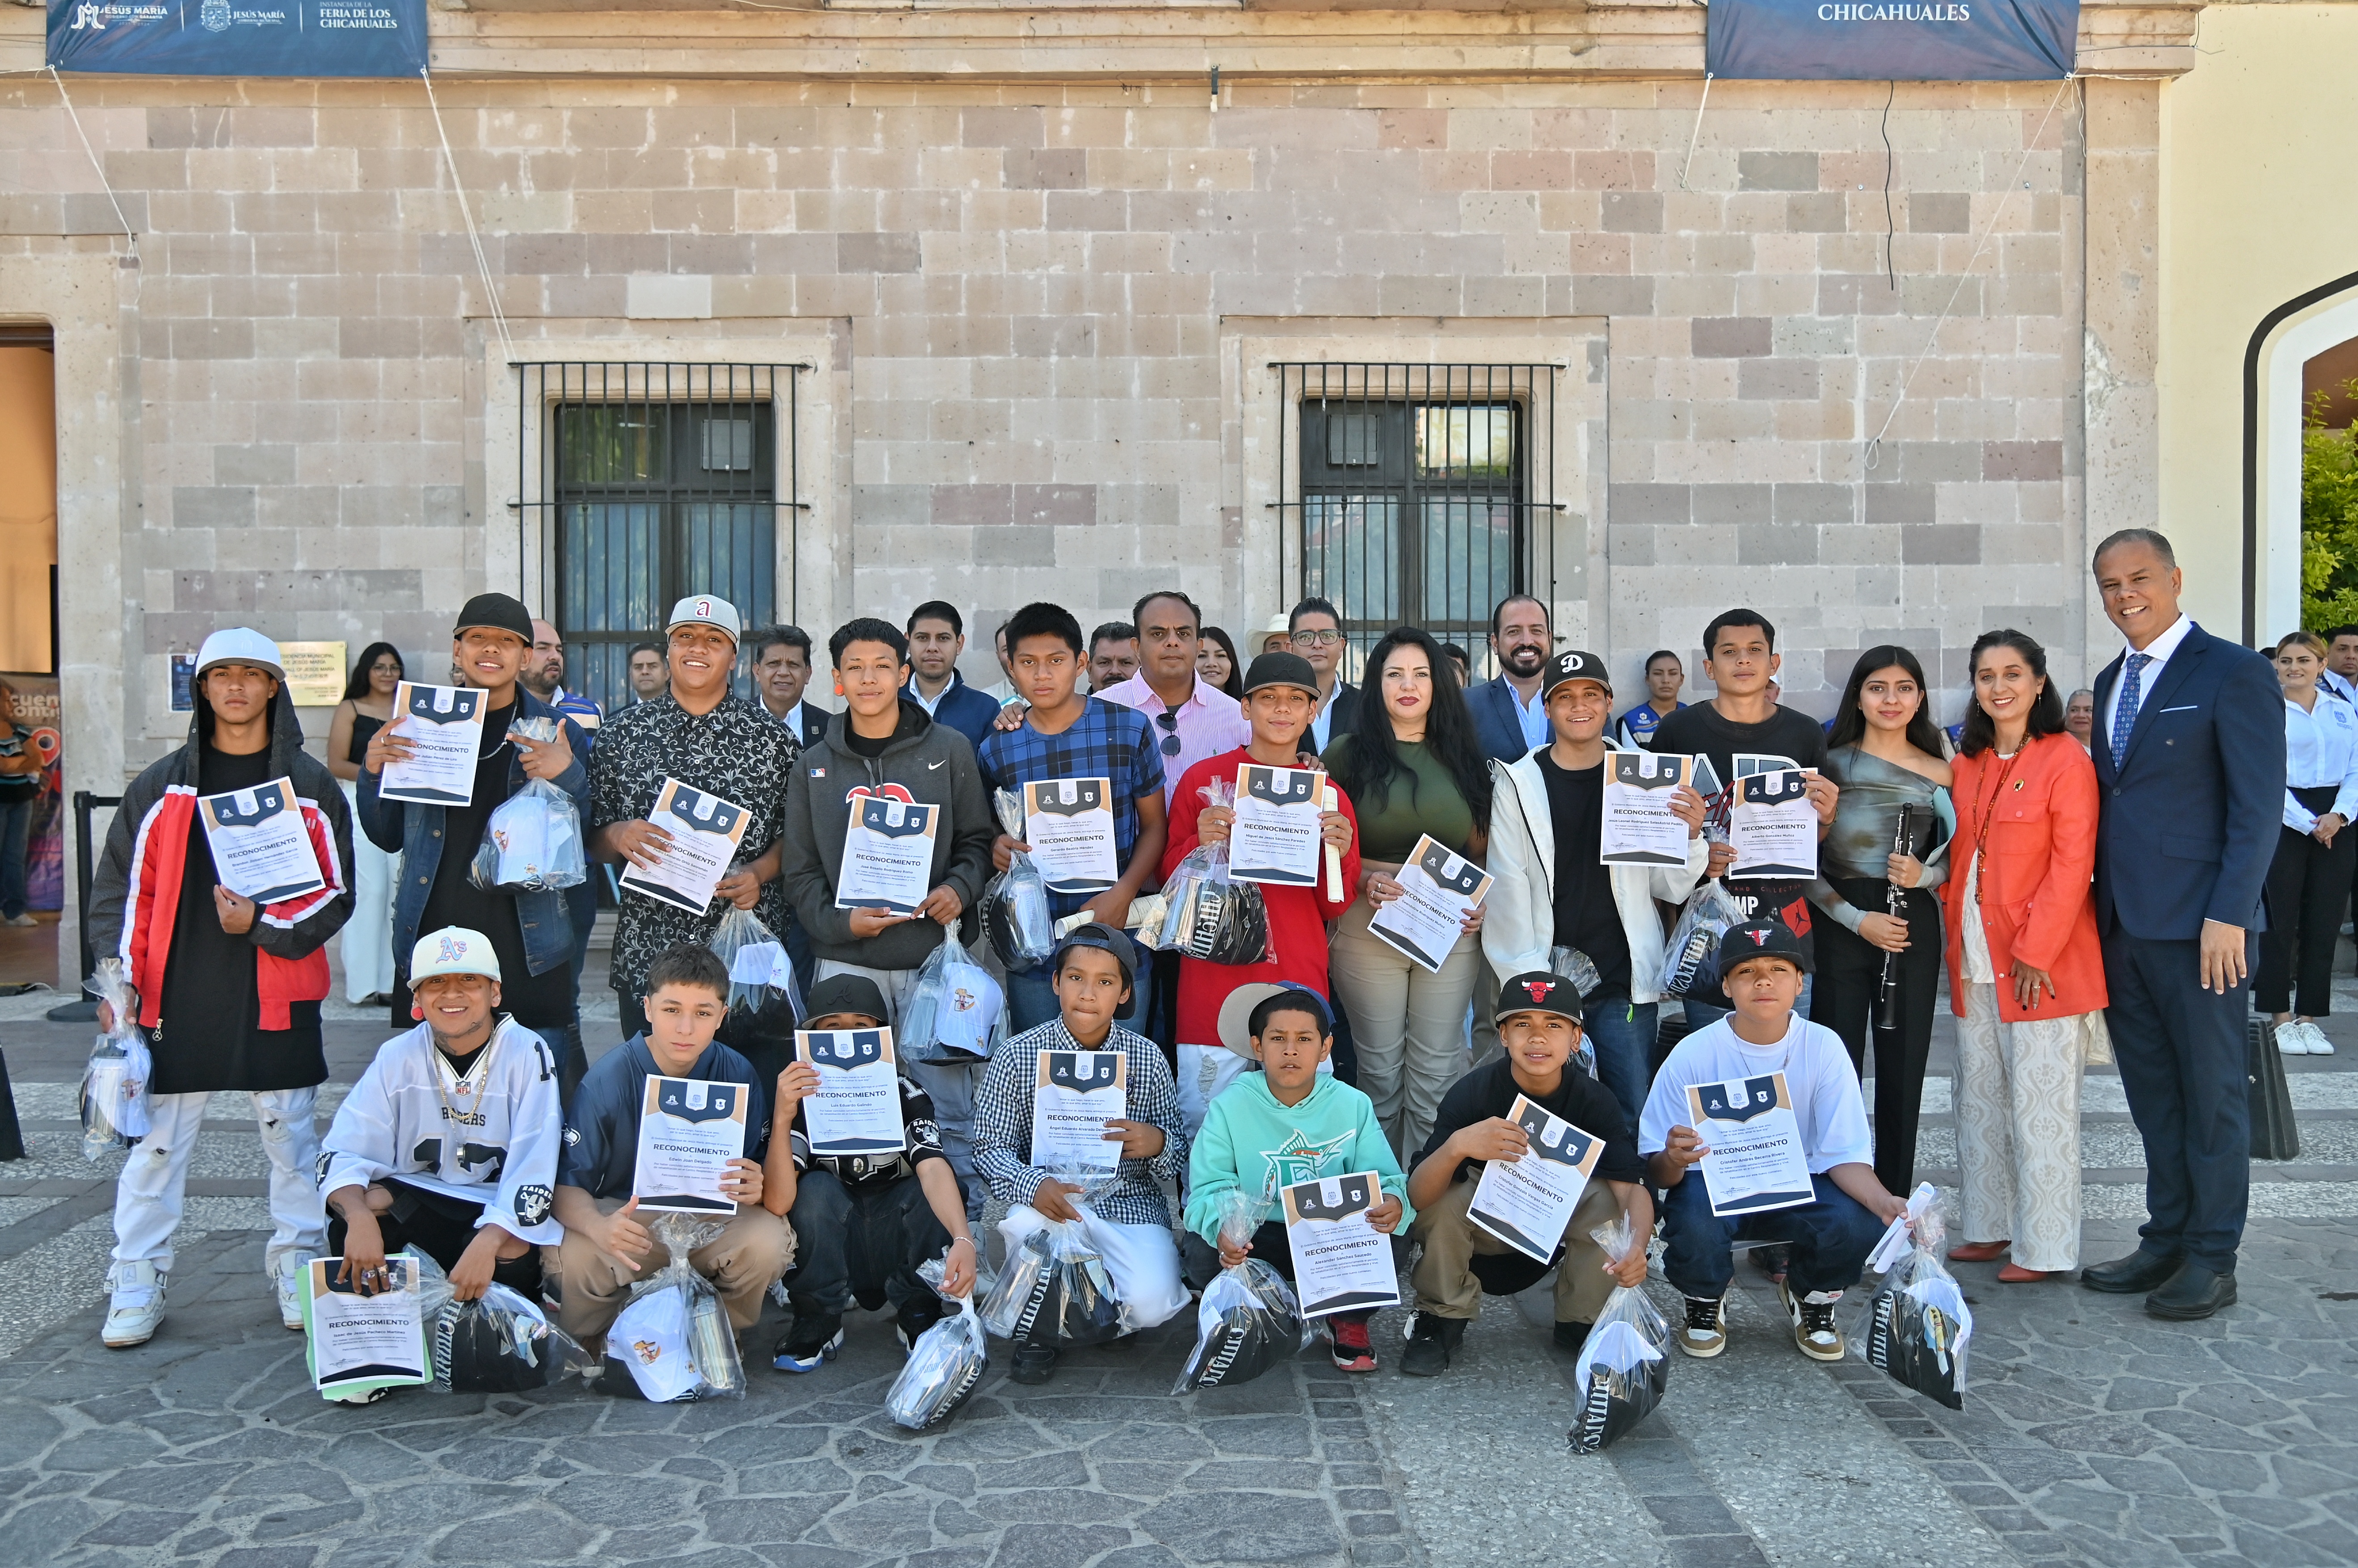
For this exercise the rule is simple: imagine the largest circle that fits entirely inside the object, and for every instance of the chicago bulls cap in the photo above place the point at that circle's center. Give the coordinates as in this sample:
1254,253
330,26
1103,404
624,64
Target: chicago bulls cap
1759,939
705,610
1538,992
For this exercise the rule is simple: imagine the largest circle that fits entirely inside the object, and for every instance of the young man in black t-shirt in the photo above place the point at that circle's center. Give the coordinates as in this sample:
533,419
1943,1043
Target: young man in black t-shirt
1538,1025
1743,718
864,1222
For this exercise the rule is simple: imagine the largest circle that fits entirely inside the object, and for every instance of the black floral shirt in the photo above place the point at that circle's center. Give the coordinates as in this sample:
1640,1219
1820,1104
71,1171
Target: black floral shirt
736,751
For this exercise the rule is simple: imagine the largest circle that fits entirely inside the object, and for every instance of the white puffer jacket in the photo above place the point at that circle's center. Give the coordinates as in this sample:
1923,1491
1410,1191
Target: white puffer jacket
1520,925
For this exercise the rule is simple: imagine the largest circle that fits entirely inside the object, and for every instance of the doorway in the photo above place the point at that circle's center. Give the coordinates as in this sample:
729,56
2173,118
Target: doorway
32,836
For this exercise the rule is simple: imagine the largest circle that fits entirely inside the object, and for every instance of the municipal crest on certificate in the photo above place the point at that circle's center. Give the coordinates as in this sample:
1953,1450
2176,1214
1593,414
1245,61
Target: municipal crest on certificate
704,831
1639,829
689,1129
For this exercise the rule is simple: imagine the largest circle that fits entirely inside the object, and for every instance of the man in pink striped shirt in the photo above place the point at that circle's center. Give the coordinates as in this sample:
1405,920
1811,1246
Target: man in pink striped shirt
1193,719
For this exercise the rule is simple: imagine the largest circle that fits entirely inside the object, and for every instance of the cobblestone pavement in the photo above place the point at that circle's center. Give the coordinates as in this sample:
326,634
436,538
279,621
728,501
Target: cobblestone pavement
2090,1433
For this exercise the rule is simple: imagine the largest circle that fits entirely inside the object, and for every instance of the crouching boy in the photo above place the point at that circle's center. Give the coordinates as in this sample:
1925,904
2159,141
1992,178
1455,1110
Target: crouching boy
1761,966
1287,1123
608,1246
863,1222
1127,1222
448,1141
1538,1017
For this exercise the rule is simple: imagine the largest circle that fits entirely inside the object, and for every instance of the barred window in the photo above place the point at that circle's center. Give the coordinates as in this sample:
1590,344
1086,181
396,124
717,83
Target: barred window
1413,494
659,480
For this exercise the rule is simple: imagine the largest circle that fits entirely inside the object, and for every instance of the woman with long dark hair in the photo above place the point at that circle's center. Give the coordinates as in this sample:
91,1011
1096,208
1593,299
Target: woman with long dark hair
1414,766
2309,877
366,940
1217,662
2025,972
1885,753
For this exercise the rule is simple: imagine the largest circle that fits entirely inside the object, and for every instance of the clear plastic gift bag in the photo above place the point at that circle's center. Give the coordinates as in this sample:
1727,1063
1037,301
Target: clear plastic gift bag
954,1015
1015,904
1623,1365
1916,1326
945,1366
1056,1290
675,1336
532,842
758,974
1690,962
1249,1319
1208,916
501,1344
115,1107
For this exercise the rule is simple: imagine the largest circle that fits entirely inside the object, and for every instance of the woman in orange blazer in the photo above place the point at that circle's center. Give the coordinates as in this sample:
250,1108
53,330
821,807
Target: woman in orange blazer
2025,972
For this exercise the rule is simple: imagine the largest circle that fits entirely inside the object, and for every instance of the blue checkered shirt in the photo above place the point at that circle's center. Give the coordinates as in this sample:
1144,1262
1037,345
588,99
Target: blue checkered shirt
1107,741
1002,1124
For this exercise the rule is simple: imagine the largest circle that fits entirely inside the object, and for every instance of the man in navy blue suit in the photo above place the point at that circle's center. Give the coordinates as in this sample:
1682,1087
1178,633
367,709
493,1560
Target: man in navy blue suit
2189,752
1510,714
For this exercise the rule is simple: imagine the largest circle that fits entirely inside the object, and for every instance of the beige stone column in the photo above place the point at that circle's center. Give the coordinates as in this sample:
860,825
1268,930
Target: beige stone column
2122,406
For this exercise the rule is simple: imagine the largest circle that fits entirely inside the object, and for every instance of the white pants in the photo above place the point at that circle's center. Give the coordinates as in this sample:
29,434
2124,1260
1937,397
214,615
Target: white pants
949,1085
149,1195
2018,1131
1143,1260
366,940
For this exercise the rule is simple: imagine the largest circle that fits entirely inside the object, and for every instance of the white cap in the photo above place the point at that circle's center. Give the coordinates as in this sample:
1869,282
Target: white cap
240,646
453,950
704,609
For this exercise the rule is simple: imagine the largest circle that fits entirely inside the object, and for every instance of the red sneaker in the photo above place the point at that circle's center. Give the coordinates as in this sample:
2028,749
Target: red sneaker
1353,1353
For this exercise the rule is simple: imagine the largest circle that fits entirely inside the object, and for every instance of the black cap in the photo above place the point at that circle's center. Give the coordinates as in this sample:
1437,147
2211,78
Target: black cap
1538,992
1104,938
498,612
1280,668
846,993
1760,939
1574,664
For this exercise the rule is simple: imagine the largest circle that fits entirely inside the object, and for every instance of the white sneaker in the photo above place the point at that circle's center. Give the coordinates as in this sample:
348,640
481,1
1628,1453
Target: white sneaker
2319,1045
134,1309
288,1284
22,920
2289,1041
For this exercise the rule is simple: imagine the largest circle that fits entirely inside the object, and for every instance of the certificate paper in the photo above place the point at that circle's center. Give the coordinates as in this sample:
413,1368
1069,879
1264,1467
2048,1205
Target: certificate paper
887,855
1426,921
357,1338
1275,837
857,1109
705,831
445,724
1074,1095
1638,830
1527,1203
260,848
1069,825
1773,827
1340,1261
1756,1161
689,1130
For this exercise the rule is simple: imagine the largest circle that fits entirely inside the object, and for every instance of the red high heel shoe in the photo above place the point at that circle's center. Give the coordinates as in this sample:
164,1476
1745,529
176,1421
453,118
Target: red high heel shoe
2016,1275
1977,1252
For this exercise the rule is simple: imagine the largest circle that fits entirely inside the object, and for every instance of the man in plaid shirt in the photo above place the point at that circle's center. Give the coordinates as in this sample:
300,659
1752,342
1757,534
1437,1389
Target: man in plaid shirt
1128,1223
1070,735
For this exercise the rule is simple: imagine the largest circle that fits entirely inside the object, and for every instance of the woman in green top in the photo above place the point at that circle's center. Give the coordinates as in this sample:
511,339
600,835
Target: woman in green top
1414,767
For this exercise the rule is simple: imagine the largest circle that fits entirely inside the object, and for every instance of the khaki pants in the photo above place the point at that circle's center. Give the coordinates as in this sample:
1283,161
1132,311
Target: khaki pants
1444,1276
1408,1025
752,1252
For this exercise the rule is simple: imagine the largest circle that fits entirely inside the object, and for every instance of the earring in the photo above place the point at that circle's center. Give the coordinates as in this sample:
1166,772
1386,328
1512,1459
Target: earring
417,1012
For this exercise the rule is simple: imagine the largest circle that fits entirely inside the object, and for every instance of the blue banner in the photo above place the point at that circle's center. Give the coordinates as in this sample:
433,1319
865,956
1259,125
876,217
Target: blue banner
1892,40
239,37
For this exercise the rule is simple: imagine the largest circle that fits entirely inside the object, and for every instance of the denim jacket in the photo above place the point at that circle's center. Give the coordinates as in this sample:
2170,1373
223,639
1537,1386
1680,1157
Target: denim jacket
414,833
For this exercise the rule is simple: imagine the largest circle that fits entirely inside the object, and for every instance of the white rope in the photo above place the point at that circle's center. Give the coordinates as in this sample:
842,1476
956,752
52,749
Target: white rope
474,240
1698,131
104,183
1874,443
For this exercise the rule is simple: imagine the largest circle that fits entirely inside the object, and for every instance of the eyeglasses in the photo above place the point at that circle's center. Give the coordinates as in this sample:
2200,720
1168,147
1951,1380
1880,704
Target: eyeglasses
1170,722
1316,639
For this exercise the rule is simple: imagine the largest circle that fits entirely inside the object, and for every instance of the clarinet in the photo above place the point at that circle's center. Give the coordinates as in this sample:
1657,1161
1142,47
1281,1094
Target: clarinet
1895,900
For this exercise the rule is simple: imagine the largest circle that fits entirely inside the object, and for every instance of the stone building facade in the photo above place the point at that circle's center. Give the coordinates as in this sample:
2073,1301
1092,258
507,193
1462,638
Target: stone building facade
1039,281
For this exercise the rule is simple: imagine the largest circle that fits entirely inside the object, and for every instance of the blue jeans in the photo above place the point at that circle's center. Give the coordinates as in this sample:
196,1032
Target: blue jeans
1031,999
854,1242
1623,1034
15,832
1831,1238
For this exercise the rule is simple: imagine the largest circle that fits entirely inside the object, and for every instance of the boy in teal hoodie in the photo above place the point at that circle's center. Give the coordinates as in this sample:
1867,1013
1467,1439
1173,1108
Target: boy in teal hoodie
1287,1123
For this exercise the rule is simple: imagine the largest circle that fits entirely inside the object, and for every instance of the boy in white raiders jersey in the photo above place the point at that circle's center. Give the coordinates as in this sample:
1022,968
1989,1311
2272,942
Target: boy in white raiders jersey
448,1141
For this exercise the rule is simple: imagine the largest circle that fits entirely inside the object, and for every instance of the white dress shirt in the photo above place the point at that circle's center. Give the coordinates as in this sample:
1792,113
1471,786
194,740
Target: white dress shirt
2339,684
1533,715
1322,723
2157,651
2321,751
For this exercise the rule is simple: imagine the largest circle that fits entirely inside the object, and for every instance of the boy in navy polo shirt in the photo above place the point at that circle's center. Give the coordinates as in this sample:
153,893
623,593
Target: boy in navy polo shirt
608,1245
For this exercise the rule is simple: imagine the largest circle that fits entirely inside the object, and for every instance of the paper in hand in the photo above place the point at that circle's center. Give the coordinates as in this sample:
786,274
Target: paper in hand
261,847
444,727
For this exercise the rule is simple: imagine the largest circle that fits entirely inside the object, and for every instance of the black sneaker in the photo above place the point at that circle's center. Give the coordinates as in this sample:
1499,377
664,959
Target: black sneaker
1431,1343
908,1327
810,1344
1032,1364
1571,1335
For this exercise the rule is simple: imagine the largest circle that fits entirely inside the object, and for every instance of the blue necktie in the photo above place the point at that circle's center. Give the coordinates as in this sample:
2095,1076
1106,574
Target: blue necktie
2125,711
